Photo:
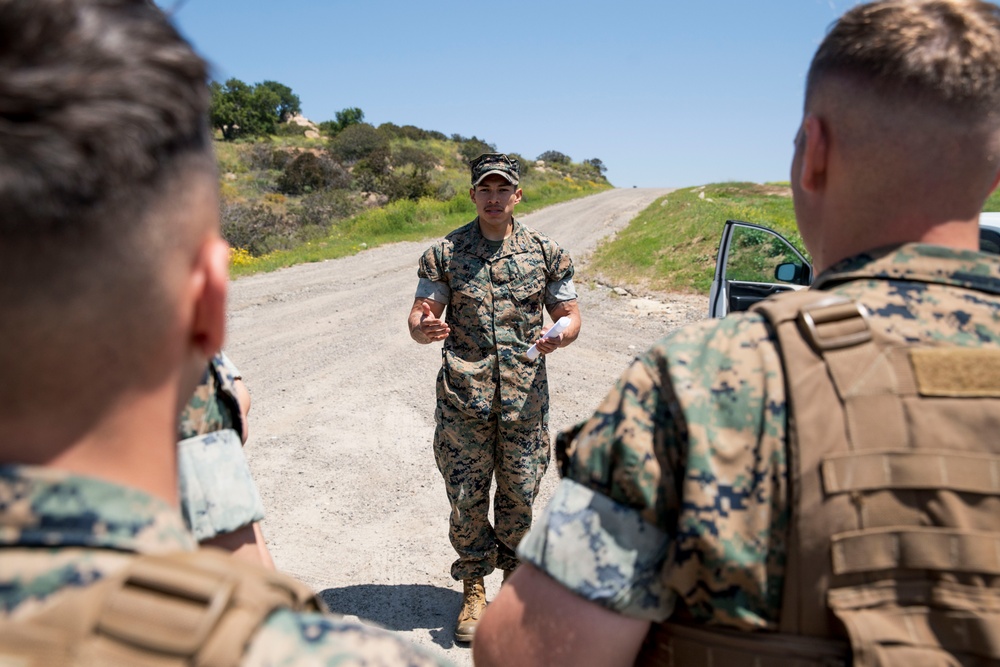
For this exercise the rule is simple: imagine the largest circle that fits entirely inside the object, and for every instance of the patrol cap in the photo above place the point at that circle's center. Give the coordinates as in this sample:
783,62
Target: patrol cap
495,163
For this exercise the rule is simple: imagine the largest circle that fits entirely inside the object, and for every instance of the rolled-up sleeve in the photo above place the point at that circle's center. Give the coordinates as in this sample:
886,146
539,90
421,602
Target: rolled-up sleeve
602,551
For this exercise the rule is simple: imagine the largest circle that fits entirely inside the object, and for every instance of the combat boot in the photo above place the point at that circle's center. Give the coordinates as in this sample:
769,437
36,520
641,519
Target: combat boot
473,605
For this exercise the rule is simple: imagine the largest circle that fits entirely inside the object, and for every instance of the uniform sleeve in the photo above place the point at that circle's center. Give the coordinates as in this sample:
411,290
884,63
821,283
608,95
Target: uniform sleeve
217,491
559,273
432,271
290,639
605,533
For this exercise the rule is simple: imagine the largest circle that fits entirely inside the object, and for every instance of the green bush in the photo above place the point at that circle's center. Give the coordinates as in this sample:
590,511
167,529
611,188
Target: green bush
264,156
357,142
409,183
311,173
554,157
321,209
255,228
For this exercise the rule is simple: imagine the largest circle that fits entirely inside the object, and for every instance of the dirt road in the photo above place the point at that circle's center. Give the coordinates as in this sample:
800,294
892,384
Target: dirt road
342,416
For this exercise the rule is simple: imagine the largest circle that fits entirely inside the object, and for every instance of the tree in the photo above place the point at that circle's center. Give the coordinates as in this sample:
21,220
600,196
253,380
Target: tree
241,110
345,118
288,103
554,156
596,164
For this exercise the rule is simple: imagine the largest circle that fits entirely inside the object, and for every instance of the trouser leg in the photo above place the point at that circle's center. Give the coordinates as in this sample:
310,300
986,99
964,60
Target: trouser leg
522,456
463,449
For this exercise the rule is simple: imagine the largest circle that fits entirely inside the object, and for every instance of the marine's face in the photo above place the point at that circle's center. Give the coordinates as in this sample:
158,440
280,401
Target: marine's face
495,198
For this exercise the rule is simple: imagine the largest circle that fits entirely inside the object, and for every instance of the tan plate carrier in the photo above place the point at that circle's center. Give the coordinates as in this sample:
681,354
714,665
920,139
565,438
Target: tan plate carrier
894,458
194,608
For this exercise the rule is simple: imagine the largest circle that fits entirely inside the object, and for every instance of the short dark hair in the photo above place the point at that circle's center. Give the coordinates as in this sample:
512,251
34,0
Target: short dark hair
97,100
103,121
938,52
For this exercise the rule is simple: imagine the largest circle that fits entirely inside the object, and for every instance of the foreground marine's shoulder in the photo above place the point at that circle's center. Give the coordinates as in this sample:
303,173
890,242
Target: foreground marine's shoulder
289,639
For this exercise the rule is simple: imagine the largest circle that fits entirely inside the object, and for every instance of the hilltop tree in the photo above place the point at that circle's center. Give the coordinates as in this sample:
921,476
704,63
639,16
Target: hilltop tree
344,119
596,164
288,103
554,156
242,110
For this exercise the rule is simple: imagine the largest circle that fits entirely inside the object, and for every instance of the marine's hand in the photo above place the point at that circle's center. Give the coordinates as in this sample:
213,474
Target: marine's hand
548,345
434,328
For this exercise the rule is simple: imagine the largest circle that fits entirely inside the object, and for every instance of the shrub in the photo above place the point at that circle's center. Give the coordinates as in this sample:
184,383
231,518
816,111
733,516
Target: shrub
412,183
357,142
554,156
254,228
472,148
310,173
421,159
264,156
321,209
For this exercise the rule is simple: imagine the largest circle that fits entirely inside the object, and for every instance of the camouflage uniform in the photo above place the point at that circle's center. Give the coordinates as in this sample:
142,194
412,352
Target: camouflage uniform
217,492
60,532
676,491
492,401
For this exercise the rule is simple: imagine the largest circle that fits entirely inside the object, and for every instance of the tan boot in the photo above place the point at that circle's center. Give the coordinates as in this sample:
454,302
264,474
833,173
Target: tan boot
473,604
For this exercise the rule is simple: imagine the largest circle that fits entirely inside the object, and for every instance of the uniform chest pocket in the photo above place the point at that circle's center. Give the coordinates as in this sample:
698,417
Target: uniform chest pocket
528,288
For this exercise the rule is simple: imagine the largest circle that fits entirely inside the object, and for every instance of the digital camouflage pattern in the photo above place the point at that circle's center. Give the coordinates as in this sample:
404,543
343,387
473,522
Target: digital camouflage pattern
495,313
217,491
60,532
468,451
214,405
492,401
495,163
692,441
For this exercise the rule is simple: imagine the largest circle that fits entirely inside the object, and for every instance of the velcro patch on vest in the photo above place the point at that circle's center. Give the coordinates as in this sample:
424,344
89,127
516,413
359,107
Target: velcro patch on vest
961,372
967,472
935,549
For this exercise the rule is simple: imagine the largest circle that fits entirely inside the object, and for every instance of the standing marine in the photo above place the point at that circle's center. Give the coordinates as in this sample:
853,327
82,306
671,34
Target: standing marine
496,278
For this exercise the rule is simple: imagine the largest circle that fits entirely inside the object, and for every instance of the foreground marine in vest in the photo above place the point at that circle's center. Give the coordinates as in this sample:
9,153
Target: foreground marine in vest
112,301
816,482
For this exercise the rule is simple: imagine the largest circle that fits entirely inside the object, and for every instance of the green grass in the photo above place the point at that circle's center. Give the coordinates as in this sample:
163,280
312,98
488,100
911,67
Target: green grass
408,221
993,202
671,246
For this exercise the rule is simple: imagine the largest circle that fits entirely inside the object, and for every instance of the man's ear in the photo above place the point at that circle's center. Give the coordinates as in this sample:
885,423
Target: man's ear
208,328
518,195
472,195
815,154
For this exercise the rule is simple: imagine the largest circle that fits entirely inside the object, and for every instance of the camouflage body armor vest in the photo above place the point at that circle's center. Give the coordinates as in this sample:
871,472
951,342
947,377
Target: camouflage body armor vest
187,609
894,544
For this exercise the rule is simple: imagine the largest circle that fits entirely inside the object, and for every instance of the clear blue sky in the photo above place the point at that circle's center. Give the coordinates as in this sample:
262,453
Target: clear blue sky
665,93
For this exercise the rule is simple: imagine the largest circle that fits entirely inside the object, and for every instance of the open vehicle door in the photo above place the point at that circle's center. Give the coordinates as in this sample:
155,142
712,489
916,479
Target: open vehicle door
753,263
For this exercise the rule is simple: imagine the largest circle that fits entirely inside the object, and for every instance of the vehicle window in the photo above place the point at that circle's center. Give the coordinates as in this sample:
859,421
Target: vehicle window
989,240
754,256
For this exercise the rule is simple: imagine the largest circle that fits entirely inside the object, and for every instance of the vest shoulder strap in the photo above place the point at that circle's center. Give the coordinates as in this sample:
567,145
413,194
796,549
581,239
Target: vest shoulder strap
194,608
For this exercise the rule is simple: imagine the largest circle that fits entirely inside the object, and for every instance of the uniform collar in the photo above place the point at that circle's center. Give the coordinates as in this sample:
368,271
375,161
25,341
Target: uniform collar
42,507
918,262
474,243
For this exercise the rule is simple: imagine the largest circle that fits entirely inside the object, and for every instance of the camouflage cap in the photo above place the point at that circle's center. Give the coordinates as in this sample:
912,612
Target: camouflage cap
495,163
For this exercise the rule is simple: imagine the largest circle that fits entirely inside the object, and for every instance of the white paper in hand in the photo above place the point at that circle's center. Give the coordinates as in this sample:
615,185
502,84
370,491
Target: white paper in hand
556,329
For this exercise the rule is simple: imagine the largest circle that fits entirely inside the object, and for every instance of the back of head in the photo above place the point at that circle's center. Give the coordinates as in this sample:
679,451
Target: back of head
103,112
915,86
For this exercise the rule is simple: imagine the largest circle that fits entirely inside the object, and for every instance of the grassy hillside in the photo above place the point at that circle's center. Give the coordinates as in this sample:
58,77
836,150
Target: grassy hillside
291,199
671,246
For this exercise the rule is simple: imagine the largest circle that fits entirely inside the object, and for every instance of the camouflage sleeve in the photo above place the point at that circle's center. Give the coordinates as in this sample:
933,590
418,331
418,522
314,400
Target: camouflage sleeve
217,491
214,405
226,364
432,263
601,550
289,639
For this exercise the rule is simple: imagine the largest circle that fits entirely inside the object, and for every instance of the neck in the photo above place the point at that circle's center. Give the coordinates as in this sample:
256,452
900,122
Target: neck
496,231
134,443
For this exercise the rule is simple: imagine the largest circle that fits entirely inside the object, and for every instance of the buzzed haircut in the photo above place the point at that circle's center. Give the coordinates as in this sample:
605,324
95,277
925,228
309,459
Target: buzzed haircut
103,117
937,52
